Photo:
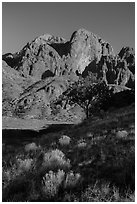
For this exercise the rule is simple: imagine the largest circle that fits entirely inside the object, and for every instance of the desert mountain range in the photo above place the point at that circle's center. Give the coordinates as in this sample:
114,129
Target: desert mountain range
45,68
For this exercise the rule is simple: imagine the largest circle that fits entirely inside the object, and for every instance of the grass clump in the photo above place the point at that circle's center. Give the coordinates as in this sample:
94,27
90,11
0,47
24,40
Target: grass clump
105,192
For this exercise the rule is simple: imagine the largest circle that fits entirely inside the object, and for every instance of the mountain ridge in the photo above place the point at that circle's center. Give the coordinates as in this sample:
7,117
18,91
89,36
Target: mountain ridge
62,62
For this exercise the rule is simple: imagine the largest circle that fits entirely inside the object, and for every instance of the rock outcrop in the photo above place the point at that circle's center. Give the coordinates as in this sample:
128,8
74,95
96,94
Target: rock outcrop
12,86
87,48
37,59
36,99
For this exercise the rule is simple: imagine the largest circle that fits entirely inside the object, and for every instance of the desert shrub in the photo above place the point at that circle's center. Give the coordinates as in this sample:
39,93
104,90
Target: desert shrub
25,165
70,197
15,180
72,180
20,167
105,157
6,177
90,135
122,134
105,193
51,183
81,144
9,174
64,140
34,191
47,167
55,159
31,147
96,193
17,189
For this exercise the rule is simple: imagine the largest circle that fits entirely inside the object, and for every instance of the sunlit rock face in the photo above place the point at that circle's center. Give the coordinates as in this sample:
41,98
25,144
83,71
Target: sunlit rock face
87,47
37,57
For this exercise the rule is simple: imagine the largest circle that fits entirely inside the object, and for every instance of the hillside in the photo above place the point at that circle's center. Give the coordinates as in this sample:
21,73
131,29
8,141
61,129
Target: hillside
93,161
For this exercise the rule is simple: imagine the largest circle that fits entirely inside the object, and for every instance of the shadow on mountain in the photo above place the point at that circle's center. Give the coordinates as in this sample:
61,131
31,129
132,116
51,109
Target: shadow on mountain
62,48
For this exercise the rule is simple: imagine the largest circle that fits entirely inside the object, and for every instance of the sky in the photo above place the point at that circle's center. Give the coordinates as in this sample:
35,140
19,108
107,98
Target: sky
23,21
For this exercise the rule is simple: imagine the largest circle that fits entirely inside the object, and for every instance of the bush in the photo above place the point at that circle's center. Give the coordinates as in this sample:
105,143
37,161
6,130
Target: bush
51,183
10,174
72,180
105,193
81,144
31,147
122,134
25,165
64,140
55,159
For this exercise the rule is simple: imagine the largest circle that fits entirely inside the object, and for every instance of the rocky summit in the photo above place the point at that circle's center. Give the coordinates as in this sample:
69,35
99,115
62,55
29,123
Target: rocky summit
45,68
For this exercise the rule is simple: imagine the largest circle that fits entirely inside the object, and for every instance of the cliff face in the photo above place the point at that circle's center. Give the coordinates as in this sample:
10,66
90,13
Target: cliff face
86,48
45,67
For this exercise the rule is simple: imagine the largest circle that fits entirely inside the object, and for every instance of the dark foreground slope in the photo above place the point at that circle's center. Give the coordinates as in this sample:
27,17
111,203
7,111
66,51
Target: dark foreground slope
93,161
